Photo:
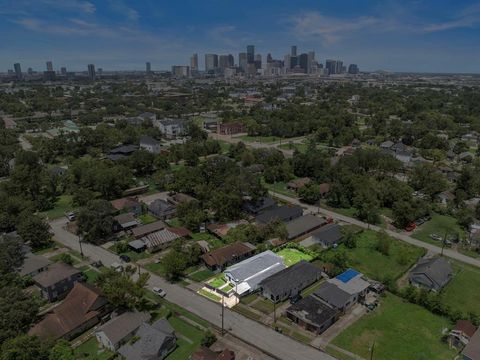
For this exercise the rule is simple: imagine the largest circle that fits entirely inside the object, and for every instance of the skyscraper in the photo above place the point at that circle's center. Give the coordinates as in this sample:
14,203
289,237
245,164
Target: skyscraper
353,69
148,68
91,71
223,62
49,66
339,67
231,60
18,71
63,70
194,62
303,62
242,61
250,54
311,60
331,66
258,61
211,62
293,52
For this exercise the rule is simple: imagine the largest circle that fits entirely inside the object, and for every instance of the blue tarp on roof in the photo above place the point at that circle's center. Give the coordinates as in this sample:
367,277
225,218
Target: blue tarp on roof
347,275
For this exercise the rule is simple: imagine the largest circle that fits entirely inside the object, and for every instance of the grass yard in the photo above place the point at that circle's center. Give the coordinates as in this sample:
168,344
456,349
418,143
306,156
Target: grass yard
157,269
401,331
439,224
462,292
210,295
58,258
62,205
248,299
280,187
293,256
261,139
213,241
90,350
91,275
175,222
263,305
184,348
311,289
147,218
201,275
366,259
218,281
246,312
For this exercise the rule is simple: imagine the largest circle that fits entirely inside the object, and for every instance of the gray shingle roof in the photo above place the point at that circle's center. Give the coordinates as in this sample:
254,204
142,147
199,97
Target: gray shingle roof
438,270
284,213
328,235
312,311
123,325
332,295
33,263
55,273
303,225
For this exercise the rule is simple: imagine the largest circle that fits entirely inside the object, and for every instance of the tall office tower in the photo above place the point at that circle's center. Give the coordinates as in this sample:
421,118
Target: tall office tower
91,71
30,71
148,68
250,54
339,67
18,71
99,71
63,70
231,60
269,58
258,61
293,52
303,62
242,61
49,66
211,62
180,71
194,62
331,66
311,60
287,61
353,69
223,62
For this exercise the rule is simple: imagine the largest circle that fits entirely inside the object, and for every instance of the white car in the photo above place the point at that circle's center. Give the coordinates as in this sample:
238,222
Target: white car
71,216
159,292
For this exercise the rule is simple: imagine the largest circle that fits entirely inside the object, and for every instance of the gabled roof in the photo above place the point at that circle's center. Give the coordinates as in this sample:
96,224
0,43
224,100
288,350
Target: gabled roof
54,274
33,263
312,310
82,303
304,224
226,254
148,140
160,206
143,230
120,204
438,270
123,325
329,234
283,213
332,295
126,220
472,350
204,353
261,204
466,327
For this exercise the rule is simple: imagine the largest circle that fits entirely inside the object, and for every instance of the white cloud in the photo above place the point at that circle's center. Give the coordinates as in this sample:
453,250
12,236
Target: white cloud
83,6
123,9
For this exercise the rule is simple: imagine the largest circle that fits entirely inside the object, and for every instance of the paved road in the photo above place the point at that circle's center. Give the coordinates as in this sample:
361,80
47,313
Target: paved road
273,343
339,217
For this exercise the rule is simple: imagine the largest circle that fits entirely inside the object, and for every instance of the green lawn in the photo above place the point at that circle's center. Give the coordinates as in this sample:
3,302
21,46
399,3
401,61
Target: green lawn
400,330
293,256
246,312
439,224
175,222
210,295
58,258
184,348
263,305
213,241
280,187
302,148
147,218
218,281
91,275
90,350
201,275
462,293
62,205
366,259
157,269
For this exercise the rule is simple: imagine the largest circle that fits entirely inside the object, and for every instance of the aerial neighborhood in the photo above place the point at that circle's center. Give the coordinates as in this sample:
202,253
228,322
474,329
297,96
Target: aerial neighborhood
311,215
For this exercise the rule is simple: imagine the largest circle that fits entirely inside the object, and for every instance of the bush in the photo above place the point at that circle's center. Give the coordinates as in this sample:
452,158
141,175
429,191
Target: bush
66,259
383,243
208,339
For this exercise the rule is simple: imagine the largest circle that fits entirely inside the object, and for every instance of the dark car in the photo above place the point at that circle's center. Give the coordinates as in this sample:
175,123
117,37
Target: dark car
97,264
295,299
125,258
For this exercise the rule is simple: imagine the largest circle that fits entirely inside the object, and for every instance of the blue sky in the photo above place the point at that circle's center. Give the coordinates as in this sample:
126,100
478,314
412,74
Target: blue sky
420,35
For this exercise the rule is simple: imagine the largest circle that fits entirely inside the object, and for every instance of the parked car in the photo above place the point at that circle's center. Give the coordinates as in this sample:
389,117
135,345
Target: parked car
295,299
71,216
117,267
97,264
419,222
159,292
410,227
125,258
436,237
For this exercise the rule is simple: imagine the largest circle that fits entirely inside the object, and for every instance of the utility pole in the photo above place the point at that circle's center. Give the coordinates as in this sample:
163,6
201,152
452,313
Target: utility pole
80,244
223,313
444,242
274,312
371,350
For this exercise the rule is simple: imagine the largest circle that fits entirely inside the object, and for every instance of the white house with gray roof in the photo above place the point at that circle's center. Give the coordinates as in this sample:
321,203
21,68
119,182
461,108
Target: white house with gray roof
172,128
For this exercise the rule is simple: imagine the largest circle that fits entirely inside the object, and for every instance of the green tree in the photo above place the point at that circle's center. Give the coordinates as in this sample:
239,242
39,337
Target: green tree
310,193
383,243
208,339
95,221
34,230
191,215
61,351
11,254
25,347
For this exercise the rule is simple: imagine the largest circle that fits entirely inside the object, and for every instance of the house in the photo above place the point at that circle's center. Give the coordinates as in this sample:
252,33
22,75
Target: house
143,230
33,264
304,225
148,116
160,240
221,229
327,236
231,128
262,204
461,334
472,349
137,245
125,221
121,152
120,329
312,314
298,183
204,353
290,282
180,198
220,258
247,275
171,128
154,342
284,213
344,290
57,280
150,144
83,308
465,156
432,274
445,197
128,204
162,209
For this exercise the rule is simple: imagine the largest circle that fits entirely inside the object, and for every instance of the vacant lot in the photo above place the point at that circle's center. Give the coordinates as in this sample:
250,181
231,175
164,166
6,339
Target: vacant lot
61,206
89,350
462,293
293,256
400,331
439,224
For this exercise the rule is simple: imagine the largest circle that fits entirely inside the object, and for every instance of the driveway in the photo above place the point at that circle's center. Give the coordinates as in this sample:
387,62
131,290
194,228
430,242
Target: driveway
273,343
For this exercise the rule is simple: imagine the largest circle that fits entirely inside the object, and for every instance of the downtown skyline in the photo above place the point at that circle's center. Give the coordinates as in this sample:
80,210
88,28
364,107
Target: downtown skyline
413,36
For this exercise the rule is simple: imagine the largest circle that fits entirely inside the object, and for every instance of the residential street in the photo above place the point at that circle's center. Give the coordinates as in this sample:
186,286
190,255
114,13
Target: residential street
431,248
280,346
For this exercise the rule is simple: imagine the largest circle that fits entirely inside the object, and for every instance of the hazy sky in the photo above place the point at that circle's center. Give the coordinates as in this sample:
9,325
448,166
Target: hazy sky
433,36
